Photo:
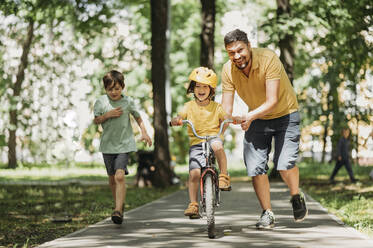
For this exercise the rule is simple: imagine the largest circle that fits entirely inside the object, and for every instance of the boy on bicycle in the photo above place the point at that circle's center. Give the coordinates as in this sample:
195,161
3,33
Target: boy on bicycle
206,115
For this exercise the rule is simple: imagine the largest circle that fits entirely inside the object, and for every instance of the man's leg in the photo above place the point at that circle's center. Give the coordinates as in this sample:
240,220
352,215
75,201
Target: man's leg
349,170
291,178
337,166
262,190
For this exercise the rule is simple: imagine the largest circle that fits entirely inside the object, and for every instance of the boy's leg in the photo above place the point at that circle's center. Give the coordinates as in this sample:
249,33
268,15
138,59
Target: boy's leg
193,186
120,190
112,186
224,179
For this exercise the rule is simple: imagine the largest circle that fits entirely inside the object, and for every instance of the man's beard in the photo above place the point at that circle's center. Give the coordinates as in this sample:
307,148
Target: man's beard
243,66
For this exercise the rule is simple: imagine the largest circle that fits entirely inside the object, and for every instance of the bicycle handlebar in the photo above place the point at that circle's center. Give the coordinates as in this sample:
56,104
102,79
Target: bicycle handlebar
206,137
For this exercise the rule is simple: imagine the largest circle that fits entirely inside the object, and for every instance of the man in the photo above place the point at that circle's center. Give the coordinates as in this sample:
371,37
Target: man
259,78
343,156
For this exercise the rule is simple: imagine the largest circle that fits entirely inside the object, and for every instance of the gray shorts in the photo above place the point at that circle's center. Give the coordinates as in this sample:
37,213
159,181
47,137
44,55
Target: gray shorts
258,142
196,158
113,162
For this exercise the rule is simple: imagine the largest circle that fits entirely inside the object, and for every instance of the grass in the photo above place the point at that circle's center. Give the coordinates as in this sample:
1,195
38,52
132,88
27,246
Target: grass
28,210
352,203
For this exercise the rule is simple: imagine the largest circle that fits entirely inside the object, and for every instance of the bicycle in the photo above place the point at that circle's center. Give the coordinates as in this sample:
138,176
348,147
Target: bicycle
209,182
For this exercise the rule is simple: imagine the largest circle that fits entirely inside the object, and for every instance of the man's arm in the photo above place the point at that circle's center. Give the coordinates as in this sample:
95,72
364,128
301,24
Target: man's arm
227,102
272,91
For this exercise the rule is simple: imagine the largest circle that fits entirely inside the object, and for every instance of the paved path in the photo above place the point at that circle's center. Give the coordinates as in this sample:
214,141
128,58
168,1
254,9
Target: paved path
162,224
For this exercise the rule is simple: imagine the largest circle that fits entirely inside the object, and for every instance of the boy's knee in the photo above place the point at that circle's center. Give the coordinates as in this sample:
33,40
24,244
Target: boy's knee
119,175
217,146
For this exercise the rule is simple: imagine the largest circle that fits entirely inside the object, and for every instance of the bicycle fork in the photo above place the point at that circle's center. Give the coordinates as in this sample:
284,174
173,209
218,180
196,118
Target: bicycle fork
215,180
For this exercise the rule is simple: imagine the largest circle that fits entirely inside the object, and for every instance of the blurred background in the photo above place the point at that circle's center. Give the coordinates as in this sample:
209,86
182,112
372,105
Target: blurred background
53,55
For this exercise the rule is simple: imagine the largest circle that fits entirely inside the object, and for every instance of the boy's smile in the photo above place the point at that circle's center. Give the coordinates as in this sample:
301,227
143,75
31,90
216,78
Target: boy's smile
202,92
114,91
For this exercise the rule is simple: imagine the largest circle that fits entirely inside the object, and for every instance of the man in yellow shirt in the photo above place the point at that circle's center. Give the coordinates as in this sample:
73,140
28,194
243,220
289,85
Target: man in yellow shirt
259,78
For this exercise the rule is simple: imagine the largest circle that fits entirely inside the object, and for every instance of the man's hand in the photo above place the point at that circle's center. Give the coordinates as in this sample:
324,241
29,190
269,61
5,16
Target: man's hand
246,122
145,138
114,113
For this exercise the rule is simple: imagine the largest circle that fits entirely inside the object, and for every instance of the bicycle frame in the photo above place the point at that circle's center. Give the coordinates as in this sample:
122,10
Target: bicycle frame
210,162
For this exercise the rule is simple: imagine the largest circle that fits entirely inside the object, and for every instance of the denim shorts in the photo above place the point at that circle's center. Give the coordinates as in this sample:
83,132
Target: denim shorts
258,142
196,158
113,162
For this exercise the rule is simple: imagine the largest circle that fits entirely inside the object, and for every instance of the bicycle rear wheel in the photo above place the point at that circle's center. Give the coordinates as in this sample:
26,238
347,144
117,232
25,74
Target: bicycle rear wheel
209,189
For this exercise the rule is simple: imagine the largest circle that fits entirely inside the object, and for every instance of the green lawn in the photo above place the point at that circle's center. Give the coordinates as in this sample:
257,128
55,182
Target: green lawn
28,210
352,203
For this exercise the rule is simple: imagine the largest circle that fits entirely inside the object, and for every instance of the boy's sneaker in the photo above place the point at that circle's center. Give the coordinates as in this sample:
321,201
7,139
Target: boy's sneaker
192,211
266,220
300,210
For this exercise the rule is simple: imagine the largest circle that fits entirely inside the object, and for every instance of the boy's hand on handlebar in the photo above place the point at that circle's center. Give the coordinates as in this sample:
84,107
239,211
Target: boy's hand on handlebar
177,121
238,119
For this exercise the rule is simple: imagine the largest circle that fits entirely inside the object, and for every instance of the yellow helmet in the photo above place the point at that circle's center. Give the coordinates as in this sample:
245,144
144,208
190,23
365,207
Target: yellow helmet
204,75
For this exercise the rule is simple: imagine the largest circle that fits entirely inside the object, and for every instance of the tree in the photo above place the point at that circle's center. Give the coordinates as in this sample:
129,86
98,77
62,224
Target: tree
159,27
37,14
207,33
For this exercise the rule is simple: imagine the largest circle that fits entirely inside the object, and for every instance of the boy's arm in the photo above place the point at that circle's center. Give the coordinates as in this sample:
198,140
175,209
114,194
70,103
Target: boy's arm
144,135
114,113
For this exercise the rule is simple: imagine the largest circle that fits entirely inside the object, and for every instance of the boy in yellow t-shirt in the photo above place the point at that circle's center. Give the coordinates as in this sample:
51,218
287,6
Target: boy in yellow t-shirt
206,116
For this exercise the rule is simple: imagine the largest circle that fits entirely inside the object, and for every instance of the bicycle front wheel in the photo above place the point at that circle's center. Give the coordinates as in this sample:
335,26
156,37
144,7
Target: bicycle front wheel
209,189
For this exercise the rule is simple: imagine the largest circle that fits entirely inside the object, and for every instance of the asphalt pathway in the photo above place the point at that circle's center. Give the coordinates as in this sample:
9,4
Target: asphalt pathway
161,224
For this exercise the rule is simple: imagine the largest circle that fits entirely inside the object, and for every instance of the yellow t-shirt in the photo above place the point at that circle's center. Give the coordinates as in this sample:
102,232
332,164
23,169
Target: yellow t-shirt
206,119
265,66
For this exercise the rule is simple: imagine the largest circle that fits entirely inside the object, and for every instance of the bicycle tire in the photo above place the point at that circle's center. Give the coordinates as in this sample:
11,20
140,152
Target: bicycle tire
209,188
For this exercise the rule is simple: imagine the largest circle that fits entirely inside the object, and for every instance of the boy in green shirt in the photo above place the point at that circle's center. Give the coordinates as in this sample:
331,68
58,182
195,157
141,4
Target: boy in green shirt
113,111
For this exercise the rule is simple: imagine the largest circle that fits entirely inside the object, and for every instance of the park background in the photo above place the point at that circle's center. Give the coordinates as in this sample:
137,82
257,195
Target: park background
53,55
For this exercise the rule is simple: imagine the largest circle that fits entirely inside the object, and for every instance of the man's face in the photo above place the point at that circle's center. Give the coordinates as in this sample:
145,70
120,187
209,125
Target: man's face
239,53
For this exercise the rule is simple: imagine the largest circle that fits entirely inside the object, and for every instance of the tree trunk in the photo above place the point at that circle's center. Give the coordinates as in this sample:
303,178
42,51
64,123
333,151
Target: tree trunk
207,34
286,56
286,44
326,126
12,142
159,24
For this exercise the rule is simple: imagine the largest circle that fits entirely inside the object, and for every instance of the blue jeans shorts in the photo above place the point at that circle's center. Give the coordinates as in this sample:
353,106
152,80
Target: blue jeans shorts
258,142
113,162
196,158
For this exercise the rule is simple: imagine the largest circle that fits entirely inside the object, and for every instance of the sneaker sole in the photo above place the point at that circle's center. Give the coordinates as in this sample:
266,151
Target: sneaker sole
265,227
226,189
194,216
300,220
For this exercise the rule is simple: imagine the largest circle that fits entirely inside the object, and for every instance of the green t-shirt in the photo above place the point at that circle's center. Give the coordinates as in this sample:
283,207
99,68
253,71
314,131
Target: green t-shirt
117,136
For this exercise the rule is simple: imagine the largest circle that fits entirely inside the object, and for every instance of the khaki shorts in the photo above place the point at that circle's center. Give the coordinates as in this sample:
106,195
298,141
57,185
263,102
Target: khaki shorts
196,158
258,143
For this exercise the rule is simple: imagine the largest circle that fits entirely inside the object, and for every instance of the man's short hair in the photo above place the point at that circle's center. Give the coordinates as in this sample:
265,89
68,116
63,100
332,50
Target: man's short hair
235,35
